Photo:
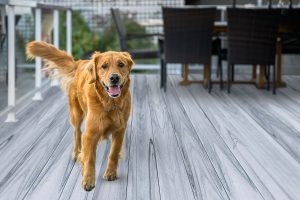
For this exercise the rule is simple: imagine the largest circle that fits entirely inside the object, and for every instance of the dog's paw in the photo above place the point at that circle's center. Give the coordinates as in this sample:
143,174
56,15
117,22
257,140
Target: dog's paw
110,175
88,183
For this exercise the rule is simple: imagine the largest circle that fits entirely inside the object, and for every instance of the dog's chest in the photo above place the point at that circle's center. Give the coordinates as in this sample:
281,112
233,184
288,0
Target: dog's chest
112,108
116,118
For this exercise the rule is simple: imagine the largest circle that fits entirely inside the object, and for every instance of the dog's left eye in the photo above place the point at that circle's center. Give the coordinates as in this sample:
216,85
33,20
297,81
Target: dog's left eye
104,66
121,64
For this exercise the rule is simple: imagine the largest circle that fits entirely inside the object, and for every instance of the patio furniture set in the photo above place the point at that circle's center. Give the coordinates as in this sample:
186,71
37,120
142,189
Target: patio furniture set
255,36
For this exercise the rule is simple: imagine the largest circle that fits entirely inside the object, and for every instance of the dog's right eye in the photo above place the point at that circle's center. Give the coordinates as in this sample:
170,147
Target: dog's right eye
104,66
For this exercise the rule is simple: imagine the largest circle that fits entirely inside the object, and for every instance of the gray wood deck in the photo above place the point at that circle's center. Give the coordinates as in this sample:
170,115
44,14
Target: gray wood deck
185,144
24,84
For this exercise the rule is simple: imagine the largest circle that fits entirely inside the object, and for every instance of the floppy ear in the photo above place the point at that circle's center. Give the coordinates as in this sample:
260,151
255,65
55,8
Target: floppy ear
128,59
92,67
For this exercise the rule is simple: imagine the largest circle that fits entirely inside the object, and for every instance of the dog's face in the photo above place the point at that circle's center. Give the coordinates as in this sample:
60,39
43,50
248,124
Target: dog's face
112,70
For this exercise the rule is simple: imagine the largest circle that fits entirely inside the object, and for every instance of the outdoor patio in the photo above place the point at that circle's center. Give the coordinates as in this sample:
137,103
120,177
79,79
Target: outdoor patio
183,144
215,98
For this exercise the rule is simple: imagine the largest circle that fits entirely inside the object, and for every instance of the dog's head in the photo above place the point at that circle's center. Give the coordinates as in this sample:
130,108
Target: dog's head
111,70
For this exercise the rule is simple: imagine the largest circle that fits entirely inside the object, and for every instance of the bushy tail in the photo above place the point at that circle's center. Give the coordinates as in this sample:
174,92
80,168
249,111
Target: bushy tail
55,59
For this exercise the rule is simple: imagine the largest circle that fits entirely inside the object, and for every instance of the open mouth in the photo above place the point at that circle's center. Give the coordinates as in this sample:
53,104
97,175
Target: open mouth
113,91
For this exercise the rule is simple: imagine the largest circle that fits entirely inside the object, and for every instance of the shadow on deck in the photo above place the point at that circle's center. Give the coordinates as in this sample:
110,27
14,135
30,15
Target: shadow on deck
205,146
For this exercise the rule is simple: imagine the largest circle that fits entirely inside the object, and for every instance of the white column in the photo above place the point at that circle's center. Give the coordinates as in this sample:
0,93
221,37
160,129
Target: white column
55,82
259,2
223,9
69,31
11,65
38,61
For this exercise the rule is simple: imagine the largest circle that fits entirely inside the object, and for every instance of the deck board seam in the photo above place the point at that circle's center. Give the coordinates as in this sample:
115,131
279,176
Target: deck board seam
51,154
270,175
182,153
199,140
151,143
173,87
155,136
265,129
205,114
21,159
133,87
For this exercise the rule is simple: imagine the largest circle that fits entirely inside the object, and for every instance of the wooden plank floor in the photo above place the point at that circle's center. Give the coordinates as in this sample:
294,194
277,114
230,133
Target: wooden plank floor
24,83
183,144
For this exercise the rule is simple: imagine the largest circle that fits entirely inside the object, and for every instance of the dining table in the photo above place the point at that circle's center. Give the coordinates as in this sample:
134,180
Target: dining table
221,27
259,81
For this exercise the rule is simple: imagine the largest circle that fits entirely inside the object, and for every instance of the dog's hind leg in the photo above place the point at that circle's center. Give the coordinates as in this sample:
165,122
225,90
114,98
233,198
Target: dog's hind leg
76,118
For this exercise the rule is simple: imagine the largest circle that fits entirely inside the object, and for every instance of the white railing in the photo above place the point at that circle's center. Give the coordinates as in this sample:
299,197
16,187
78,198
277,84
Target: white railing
10,8
11,64
38,61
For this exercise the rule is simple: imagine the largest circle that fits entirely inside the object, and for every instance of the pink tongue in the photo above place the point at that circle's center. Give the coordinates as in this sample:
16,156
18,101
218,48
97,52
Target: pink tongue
114,90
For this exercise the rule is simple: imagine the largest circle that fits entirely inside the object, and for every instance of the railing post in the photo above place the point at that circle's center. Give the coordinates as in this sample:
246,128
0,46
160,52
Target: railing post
69,31
259,2
291,4
54,81
11,65
234,3
38,61
223,9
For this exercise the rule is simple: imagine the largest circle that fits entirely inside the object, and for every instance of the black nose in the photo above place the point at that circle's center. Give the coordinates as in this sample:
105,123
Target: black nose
114,78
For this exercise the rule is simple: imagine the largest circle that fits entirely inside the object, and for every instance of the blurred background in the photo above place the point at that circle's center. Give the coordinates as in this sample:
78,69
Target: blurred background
94,30
189,135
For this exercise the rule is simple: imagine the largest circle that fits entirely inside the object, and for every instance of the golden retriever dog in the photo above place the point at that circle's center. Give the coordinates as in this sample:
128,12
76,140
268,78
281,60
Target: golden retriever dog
98,90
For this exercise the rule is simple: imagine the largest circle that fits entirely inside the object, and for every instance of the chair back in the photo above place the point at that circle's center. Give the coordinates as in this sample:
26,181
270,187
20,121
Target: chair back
290,30
290,19
252,35
188,34
116,15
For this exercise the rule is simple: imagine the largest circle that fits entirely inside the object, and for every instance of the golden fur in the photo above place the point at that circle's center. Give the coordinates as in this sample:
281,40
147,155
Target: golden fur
86,84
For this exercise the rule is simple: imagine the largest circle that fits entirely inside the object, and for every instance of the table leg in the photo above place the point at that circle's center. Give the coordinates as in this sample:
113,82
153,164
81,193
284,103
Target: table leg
279,82
185,80
205,74
260,83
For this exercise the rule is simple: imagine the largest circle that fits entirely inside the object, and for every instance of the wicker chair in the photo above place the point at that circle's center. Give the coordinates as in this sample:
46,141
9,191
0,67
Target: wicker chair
124,37
187,38
252,37
290,19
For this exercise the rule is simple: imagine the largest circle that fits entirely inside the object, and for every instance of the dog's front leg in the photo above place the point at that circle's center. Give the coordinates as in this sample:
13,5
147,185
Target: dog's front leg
114,155
89,147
